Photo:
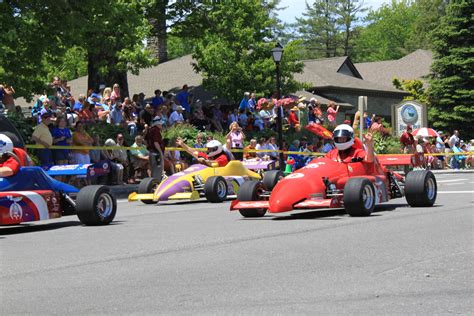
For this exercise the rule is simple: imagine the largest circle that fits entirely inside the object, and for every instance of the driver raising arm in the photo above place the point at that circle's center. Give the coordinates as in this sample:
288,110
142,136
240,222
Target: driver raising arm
215,153
11,159
346,151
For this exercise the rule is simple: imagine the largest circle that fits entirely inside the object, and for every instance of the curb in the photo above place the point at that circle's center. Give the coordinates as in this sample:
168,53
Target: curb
453,171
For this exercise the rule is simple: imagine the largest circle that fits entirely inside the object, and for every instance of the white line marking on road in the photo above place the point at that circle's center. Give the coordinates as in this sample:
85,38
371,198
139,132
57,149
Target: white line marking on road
122,201
455,192
456,180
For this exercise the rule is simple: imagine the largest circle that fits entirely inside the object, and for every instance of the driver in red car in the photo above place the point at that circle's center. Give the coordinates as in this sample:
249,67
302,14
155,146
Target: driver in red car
348,149
11,159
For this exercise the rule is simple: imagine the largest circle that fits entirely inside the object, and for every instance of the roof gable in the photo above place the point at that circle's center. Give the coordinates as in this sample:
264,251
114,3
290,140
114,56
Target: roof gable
412,66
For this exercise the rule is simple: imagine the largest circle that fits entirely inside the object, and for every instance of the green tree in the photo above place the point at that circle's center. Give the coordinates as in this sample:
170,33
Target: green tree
179,46
414,87
233,50
429,13
109,33
112,32
348,11
452,85
70,65
318,28
28,36
387,33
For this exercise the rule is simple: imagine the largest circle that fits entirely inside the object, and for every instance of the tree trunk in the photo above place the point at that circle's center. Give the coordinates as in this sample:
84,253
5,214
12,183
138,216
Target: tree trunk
95,79
158,39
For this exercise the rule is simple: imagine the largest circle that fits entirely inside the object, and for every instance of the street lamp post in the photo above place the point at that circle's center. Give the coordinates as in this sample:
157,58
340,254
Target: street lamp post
277,54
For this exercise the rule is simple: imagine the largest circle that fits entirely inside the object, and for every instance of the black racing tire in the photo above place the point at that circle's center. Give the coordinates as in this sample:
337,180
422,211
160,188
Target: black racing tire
95,205
420,188
249,191
359,197
147,185
271,178
215,189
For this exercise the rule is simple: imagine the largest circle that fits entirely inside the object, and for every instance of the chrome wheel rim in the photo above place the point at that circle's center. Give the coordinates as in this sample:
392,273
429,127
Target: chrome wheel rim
105,205
368,197
430,188
221,189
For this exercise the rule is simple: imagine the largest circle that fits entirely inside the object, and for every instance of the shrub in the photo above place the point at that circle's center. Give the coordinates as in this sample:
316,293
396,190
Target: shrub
105,131
386,144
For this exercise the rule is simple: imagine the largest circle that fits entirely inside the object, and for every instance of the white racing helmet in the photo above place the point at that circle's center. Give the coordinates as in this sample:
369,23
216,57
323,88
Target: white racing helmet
6,144
214,147
345,131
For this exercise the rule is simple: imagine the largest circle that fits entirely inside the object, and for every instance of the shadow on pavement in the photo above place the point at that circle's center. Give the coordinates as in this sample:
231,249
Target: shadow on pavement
32,228
323,214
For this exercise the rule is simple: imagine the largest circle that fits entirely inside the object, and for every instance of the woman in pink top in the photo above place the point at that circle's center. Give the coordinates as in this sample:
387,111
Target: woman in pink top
115,95
235,138
377,126
332,112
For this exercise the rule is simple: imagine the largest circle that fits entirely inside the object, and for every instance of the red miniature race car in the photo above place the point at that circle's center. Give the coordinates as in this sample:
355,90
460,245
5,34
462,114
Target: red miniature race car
323,183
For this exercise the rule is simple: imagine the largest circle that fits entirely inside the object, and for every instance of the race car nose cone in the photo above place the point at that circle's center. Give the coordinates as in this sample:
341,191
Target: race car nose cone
293,189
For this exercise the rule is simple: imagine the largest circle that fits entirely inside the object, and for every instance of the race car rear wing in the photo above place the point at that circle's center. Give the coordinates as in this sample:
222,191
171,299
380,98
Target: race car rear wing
395,160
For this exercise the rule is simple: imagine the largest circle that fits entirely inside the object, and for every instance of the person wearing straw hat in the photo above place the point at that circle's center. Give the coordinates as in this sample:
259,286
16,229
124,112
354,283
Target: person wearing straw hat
293,119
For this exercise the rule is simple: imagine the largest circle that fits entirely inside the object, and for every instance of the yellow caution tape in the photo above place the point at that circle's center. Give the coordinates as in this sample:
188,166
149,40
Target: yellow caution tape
32,146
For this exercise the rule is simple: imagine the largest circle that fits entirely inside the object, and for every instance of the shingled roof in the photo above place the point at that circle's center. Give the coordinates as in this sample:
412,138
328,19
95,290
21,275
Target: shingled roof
335,74
321,76
413,66
169,76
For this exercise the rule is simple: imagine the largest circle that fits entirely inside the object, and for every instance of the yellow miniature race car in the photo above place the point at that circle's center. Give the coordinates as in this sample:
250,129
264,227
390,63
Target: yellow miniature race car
213,183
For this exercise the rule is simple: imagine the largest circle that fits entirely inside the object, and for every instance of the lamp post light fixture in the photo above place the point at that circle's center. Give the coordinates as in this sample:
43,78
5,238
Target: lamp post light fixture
277,54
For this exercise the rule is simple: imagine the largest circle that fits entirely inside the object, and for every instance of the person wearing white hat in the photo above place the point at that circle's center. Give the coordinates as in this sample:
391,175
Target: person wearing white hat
346,148
11,159
215,153
177,116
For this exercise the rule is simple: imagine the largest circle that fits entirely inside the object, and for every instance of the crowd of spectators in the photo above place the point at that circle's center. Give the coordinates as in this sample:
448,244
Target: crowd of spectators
63,120
431,148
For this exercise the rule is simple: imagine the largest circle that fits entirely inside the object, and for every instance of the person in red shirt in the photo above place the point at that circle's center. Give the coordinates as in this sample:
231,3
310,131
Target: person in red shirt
215,153
293,118
407,141
347,150
11,159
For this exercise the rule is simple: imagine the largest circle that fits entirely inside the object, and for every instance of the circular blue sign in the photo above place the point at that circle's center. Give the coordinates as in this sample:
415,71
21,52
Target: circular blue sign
409,114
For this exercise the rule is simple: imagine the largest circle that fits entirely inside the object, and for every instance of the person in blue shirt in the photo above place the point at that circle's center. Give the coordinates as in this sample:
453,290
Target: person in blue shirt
252,103
157,100
328,146
244,104
78,104
62,136
368,120
116,115
183,98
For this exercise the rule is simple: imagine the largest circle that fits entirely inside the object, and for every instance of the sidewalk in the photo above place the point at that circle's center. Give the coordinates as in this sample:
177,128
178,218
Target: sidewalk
451,171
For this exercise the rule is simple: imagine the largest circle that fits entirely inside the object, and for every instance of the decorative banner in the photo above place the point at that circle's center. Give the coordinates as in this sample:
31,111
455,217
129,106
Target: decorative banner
408,113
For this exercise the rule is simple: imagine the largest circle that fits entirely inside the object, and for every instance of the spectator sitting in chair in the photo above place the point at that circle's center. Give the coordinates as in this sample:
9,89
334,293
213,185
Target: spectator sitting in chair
140,159
250,155
116,168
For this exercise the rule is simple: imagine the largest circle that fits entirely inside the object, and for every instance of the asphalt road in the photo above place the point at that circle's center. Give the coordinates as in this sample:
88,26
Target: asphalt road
199,258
